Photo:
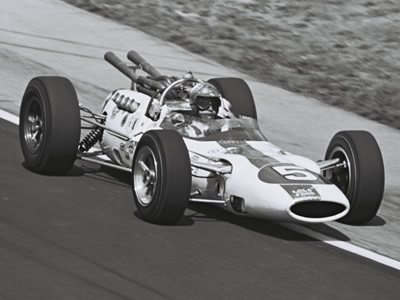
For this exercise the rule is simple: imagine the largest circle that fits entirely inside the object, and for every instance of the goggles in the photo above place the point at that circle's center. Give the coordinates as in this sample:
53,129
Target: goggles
204,103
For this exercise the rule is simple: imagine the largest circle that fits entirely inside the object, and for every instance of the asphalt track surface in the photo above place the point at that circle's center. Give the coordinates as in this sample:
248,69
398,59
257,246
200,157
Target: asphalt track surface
79,237
49,37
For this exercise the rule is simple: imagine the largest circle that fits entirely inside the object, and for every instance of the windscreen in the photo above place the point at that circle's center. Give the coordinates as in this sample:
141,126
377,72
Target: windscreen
232,129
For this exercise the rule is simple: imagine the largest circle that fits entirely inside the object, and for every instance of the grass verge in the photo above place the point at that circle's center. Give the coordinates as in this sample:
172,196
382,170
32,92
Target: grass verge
343,52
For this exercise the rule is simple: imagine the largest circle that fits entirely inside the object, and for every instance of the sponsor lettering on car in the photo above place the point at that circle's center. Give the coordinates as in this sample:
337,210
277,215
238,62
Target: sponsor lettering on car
302,192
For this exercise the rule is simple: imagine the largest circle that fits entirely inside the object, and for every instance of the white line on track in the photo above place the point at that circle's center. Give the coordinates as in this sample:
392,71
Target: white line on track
344,245
9,117
294,227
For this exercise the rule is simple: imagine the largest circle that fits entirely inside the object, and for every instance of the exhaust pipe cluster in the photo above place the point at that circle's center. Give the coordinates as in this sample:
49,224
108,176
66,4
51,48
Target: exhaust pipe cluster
145,82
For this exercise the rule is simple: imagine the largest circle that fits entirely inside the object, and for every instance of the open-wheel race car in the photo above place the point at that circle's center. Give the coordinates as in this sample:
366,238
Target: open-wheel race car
184,139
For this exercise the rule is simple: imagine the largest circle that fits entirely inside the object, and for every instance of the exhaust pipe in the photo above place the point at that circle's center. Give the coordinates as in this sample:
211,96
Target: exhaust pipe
134,57
123,68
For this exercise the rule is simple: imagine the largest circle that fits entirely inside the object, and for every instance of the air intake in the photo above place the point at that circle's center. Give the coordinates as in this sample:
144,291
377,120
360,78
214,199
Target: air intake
317,209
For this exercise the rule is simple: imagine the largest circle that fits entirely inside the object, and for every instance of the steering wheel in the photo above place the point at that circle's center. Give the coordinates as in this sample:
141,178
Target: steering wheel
175,84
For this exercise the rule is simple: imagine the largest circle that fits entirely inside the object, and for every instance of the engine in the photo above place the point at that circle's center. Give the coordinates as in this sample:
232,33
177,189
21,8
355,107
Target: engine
125,112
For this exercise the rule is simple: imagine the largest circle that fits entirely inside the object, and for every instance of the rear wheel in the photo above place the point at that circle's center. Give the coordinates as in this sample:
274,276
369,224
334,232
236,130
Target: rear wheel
238,93
49,126
161,177
362,177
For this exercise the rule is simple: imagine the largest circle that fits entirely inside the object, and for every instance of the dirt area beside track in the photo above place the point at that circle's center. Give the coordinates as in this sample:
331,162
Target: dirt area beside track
343,52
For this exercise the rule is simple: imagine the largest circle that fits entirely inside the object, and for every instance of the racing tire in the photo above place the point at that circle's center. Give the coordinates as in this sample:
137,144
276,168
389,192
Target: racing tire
161,177
238,93
363,178
49,125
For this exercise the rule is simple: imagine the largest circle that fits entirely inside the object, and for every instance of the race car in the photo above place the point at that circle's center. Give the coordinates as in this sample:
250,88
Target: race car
185,139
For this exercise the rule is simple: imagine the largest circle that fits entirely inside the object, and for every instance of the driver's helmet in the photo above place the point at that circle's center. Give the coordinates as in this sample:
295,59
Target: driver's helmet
205,99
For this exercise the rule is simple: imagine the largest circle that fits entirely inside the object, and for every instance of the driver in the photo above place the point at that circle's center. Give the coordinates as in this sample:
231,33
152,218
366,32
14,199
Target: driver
205,100
205,103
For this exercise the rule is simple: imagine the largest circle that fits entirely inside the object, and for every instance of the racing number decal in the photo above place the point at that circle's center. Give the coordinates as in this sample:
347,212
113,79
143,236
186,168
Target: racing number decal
295,173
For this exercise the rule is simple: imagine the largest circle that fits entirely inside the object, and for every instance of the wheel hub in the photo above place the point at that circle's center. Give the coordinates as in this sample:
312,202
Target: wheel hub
145,176
340,176
33,127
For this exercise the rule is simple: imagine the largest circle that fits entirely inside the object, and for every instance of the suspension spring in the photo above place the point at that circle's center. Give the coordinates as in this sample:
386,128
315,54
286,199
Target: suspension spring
90,139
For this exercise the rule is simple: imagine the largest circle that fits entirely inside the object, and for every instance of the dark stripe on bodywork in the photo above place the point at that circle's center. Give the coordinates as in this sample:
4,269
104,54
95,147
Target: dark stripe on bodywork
256,157
269,175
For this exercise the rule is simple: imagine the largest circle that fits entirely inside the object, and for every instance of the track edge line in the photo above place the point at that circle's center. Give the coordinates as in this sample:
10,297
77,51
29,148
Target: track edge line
384,260
5,115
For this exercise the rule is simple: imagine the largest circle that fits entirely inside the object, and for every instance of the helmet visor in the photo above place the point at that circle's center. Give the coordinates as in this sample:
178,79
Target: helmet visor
204,103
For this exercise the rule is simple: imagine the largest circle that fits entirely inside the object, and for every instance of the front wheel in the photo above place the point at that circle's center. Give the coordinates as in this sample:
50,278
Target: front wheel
361,176
49,126
161,177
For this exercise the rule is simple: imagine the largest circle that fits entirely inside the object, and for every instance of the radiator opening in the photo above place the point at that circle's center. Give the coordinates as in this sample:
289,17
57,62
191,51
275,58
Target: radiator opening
317,209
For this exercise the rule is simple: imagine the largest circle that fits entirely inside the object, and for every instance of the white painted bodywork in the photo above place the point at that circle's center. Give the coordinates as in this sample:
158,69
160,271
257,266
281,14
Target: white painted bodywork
300,180
267,200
